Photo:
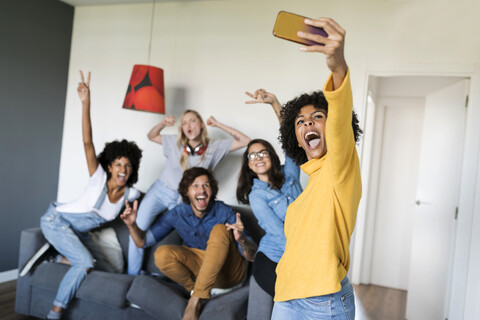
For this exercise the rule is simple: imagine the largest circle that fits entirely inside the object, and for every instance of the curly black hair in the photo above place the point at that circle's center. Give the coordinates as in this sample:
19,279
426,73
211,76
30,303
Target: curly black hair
190,175
118,149
288,115
245,179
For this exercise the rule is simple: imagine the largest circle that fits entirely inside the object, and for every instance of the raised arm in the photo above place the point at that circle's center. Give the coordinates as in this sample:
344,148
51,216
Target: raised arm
84,95
262,96
333,47
154,133
248,247
337,90
129,217
240,140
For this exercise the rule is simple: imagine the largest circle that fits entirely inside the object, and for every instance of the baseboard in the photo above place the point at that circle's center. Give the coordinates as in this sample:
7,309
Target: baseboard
8,275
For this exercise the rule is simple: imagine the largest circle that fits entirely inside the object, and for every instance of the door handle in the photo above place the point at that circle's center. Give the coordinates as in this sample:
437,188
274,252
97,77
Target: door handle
419,202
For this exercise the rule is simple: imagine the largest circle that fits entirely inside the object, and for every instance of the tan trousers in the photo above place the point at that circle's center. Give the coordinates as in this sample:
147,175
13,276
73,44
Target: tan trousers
220,265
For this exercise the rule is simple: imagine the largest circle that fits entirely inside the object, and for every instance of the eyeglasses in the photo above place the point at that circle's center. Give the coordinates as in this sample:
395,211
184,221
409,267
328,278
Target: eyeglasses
252,156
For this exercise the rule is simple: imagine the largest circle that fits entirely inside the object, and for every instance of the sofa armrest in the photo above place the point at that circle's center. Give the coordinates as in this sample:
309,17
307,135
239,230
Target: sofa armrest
30,242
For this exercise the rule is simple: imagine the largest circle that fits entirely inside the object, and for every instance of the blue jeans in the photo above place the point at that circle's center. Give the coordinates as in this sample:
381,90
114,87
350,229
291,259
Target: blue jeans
337,306
157,199
65,231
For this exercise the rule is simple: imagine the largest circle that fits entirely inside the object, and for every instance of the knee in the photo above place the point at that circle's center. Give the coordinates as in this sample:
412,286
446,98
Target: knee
81,259
87,263
163,256
219,230
219,233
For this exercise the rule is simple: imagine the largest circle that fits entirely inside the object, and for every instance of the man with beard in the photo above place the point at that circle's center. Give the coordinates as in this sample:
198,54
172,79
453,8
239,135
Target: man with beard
210,256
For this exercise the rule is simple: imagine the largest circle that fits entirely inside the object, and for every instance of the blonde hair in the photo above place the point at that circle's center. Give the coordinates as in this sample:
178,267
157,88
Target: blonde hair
182,140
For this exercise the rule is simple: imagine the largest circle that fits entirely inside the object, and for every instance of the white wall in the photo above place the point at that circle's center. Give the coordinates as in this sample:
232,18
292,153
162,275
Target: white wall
212,51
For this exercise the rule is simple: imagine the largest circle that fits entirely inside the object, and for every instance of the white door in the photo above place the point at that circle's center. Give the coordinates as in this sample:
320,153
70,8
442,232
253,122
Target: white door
397,182
437,200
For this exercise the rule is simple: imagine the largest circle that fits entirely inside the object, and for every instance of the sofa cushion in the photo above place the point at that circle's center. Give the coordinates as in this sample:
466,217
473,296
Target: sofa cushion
48,275
106,288
106,250
99,287
230,306
158,297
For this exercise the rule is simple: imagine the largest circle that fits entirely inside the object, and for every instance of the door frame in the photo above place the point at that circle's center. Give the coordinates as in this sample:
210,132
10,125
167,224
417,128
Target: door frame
361,251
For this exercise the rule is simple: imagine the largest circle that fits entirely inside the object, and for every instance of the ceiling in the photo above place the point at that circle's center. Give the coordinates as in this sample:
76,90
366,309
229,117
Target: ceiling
79,3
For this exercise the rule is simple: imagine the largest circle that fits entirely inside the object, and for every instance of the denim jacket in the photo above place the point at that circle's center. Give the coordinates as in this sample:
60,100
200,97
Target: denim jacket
270,206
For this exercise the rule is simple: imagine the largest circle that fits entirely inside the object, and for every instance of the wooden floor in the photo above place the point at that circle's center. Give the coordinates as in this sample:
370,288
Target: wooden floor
379,303
372,303
7,302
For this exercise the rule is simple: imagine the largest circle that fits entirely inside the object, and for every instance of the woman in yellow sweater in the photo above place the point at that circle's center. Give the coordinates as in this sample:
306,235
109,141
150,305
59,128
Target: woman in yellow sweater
319,132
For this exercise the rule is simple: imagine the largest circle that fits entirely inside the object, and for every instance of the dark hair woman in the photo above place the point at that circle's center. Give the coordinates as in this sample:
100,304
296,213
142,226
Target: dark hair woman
319,131
269,188
65,226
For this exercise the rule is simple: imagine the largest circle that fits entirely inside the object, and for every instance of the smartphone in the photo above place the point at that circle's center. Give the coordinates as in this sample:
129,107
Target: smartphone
288,24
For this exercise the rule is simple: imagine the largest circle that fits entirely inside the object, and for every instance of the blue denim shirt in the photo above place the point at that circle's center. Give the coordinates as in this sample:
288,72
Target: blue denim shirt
270,207
193,231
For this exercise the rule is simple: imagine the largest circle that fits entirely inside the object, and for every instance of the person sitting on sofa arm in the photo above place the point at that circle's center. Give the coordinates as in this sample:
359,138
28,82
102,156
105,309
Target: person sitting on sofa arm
209,257
66,226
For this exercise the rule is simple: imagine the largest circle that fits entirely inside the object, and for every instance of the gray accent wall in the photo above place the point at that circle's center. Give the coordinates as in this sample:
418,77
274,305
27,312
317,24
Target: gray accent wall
35,38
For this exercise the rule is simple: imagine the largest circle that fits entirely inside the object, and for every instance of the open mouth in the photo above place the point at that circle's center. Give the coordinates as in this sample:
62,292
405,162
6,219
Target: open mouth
312,139
202,201
122,177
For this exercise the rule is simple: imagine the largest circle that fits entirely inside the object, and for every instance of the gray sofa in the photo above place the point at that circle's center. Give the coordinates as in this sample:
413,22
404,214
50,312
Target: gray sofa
106,295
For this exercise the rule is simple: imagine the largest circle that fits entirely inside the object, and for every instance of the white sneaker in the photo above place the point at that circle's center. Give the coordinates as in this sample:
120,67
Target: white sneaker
219,291
136,306
36,257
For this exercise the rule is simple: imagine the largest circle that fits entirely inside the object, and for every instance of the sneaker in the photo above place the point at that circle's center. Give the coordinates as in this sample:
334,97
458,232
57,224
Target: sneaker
36,257
218,291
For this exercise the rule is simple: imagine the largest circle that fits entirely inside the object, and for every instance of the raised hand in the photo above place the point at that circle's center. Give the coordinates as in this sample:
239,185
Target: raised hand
154,133
212,122
248,247
84,88
237,227
169,121
261,96
129,215
333,46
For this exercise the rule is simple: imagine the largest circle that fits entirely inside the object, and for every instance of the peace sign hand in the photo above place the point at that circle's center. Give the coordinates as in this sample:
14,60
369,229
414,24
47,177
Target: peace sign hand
261,96
84,88
129,215
237,228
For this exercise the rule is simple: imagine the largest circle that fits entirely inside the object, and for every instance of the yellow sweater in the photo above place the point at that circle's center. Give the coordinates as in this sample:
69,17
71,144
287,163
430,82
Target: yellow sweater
320,222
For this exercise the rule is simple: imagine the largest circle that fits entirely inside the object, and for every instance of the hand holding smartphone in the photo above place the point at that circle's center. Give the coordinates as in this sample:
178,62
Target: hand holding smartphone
288,24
